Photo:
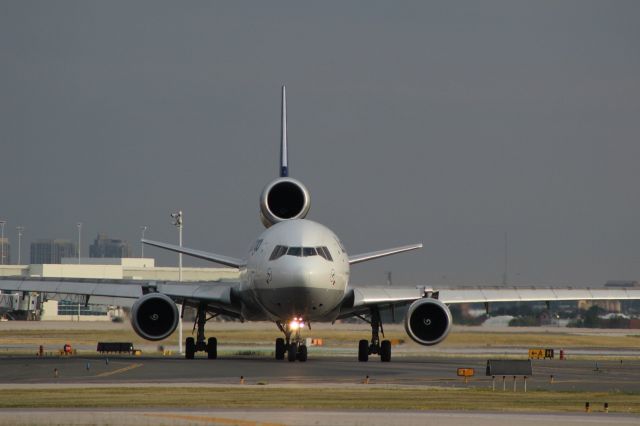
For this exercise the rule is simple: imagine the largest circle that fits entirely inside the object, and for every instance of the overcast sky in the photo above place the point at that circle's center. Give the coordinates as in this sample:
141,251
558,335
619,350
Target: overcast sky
449,123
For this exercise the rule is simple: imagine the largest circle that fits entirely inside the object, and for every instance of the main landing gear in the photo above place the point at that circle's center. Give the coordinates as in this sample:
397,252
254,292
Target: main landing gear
366,348
200,344
294,348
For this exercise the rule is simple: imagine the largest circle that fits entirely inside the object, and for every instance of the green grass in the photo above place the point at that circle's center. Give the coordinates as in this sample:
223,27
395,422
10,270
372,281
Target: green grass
362,398
337,336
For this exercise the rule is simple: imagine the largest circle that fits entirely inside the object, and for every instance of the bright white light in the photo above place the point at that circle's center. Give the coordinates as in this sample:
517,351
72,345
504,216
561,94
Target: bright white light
294,325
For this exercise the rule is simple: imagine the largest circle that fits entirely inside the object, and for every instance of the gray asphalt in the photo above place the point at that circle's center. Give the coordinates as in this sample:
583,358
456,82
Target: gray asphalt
577,375
302,418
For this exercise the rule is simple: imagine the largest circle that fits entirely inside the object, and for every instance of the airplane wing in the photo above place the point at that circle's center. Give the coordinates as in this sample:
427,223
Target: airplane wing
218,294
533,294
358,258
359,299
212,257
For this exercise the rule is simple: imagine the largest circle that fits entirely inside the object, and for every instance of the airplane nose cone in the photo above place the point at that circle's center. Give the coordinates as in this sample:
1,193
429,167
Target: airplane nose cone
301,290
300,276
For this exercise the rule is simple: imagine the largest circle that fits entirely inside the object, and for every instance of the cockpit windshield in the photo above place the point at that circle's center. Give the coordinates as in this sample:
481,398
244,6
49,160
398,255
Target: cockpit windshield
280,251
294,251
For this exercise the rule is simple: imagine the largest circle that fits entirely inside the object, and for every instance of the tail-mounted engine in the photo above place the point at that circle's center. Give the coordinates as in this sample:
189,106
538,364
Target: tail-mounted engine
283,199
428,321
154,316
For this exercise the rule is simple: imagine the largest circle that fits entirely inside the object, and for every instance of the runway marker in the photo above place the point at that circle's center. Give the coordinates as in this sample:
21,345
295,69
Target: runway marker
118,371
208,419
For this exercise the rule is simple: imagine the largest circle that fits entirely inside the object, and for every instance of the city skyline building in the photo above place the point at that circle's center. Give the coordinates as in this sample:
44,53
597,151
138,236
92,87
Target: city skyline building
51,251
103,246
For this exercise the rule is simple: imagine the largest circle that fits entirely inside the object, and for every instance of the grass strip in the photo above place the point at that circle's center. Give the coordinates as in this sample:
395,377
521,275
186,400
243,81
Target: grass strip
367,397
333,337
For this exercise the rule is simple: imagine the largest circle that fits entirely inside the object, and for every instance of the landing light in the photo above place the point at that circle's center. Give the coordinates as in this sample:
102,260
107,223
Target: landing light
296,323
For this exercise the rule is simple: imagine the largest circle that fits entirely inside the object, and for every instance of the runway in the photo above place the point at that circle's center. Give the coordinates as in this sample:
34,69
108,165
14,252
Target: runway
302,418
573,375
319,374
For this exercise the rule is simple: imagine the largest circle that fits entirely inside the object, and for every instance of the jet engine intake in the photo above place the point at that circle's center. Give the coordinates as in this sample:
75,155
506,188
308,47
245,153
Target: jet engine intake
154,316
283,199
428,321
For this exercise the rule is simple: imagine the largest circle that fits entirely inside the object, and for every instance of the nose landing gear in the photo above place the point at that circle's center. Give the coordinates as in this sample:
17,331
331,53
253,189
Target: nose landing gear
200,343
293,346
382,348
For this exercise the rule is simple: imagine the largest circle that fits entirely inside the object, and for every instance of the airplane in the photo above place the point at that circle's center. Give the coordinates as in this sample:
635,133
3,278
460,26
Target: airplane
296,273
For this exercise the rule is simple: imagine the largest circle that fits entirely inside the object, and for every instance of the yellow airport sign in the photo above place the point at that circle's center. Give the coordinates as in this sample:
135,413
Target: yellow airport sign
541,353
466,372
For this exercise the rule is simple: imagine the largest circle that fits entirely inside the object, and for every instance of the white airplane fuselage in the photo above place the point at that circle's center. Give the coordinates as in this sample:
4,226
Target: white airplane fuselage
299,279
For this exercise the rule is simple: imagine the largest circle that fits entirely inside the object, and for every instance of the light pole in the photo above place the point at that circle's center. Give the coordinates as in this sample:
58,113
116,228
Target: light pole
79,225
143,229
177,221
20,229
2,223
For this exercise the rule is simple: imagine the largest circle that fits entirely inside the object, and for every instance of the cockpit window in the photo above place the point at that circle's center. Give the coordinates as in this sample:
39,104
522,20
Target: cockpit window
278,251
295,251
324,252
257,246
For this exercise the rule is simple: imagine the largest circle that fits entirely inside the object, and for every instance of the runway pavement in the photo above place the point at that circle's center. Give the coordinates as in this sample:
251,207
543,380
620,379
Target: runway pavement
301,418
576,375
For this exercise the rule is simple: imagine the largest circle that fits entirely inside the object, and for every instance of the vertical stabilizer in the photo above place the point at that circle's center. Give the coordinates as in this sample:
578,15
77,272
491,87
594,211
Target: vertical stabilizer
284,164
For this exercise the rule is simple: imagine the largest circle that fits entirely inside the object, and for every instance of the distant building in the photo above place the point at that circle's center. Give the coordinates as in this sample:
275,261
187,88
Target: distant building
4,243
606,305
622,283
104,246
51,251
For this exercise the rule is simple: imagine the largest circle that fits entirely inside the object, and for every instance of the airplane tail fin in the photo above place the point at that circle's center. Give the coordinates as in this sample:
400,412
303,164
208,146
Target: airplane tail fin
284,164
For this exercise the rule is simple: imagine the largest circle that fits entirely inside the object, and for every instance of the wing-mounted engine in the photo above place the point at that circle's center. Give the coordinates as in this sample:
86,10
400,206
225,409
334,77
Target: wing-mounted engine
154,316
428,321
283,199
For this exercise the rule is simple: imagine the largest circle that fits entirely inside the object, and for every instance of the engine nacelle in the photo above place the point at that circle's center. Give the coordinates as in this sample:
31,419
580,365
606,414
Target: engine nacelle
154,316
283,199
428,321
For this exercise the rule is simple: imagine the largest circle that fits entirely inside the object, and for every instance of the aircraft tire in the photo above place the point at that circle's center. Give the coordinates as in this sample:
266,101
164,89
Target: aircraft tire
212,348
292,352
385,351
190,348
302,353
280,349
363,351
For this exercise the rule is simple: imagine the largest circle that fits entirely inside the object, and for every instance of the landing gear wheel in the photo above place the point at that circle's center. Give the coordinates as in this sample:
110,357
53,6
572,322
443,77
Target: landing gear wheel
212,348
280,348
302,353
385,351
293,352
363,351
190,348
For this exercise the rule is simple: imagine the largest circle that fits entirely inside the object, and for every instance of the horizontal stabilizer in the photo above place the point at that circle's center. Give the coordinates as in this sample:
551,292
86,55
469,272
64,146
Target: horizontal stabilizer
382,253
223,260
